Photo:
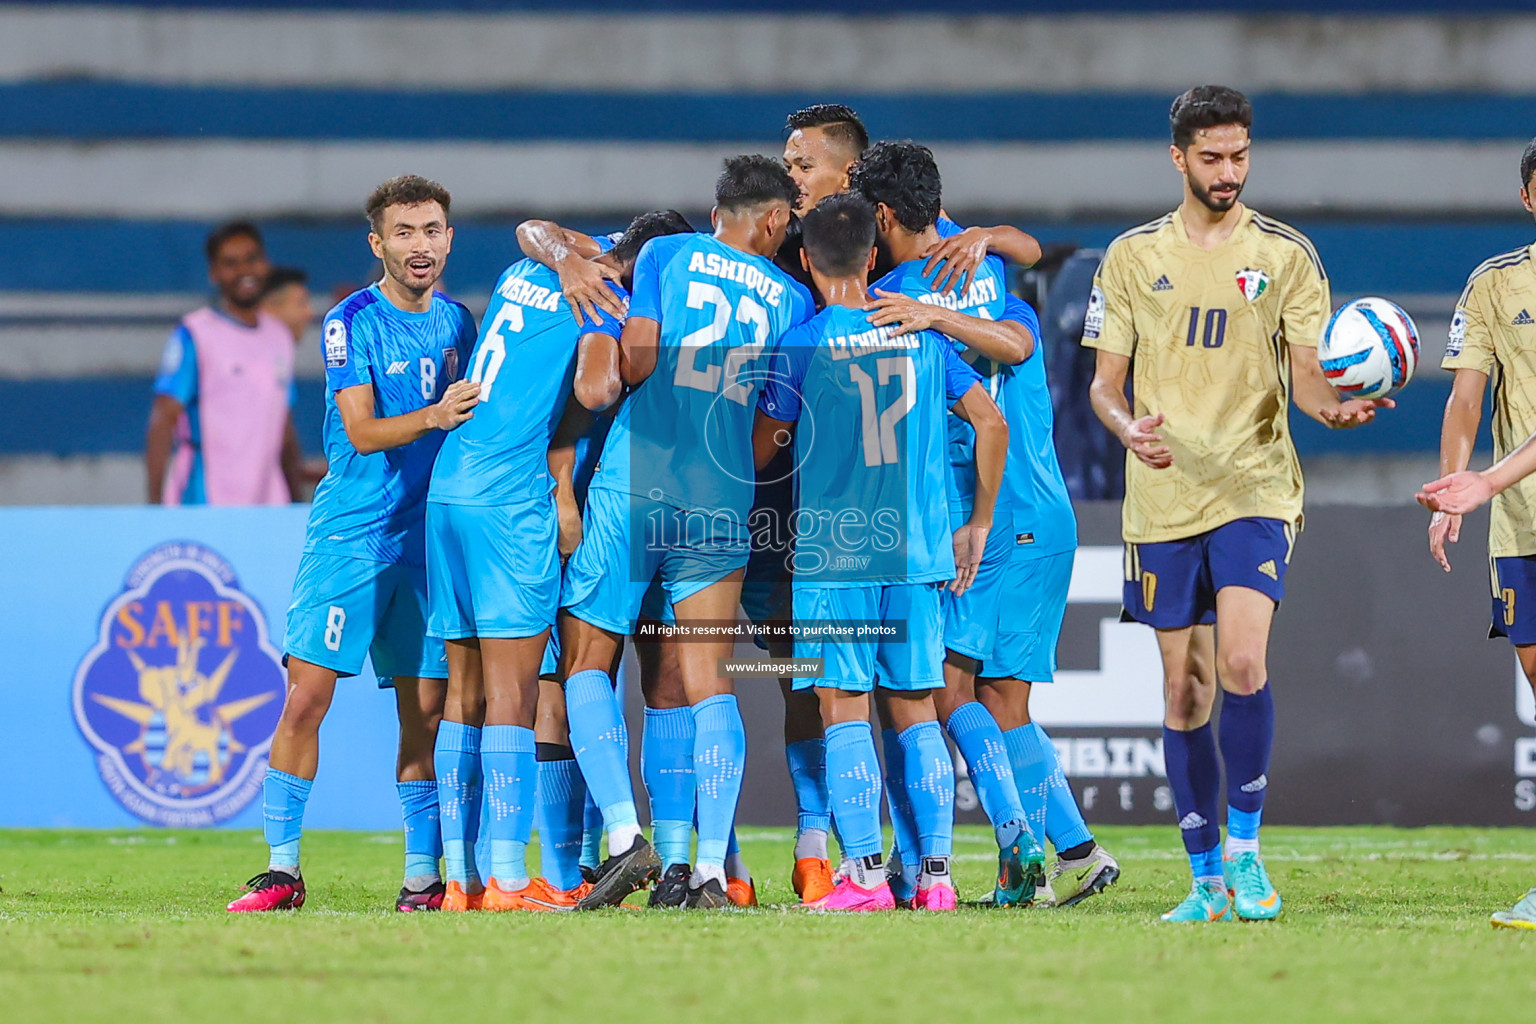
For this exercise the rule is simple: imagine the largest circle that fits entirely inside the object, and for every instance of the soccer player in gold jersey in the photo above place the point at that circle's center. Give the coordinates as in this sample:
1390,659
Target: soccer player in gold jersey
1215,312
1493,336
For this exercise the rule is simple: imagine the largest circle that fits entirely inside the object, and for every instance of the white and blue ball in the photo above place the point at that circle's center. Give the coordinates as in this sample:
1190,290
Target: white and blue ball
1369,349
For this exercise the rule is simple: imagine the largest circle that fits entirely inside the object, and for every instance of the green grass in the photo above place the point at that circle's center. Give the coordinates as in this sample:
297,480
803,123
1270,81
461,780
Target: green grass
1380,925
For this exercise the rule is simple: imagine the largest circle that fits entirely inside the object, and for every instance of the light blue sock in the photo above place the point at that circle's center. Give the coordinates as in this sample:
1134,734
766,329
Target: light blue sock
666,766
591,830
283,797
601,743
423,834
853,782
1206,866
1049,803
930,781
562,794
980,741
456,759
808,772
1244,824
511,783
904,842
719,758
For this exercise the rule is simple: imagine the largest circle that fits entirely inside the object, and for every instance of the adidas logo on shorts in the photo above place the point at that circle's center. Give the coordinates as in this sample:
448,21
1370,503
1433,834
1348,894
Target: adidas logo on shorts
1192,821
1522,319
1257,785
1162,284
1267,567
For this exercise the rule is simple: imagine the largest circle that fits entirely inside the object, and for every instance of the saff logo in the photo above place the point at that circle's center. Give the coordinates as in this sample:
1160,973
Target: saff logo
181,693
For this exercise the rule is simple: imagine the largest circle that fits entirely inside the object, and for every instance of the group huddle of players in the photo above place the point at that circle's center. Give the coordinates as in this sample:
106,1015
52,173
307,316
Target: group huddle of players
664,426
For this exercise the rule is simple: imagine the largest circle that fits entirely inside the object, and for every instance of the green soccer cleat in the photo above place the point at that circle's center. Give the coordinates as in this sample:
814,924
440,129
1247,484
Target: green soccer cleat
1522,915
1207,901
1020,869
1253,897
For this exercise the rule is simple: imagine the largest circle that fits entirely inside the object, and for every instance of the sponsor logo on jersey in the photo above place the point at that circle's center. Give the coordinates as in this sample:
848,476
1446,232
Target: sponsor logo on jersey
1522,319
1162,284
1458,334
1192,821
1093,321
335,344
1267,567
1024,538
1252,283
181,692
398,366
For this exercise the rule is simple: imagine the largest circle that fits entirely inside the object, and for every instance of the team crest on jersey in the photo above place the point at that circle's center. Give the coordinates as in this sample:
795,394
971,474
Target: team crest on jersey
335,344
1252,283
451,363
181,693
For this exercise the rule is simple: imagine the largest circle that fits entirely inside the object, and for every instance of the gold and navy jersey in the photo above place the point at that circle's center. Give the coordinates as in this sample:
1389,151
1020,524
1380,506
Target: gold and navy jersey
1493,331
1207,333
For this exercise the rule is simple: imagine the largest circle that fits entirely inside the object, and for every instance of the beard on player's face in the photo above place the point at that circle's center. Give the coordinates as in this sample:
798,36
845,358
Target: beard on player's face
1220,197
414,269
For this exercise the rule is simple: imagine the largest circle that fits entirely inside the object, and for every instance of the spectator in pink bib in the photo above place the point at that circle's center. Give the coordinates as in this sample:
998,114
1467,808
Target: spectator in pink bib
221,429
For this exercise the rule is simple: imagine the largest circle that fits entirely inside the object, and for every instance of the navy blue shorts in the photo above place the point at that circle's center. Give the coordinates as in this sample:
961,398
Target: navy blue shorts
1173,584
1514,598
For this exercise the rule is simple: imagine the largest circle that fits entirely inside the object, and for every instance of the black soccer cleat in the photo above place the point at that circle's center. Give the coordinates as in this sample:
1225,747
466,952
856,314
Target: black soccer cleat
619,876
672,890
431,898
709,896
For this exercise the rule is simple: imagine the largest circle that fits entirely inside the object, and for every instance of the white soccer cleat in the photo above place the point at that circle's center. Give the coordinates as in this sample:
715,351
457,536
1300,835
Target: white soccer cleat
1072,881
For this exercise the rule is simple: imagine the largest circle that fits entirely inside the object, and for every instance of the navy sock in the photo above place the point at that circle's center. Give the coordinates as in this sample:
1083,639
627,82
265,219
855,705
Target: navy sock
423,834
666,766
980,742
1247,736
719,758
853,781
283,797
930,783
562,795
1195,778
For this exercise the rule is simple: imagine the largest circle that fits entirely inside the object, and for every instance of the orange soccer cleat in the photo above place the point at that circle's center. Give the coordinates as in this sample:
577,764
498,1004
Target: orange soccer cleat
812,878
457,901
537,895
741,892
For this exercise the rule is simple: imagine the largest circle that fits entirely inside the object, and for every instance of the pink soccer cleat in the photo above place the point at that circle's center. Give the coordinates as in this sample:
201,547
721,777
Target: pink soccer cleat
270,890
848,895
938,896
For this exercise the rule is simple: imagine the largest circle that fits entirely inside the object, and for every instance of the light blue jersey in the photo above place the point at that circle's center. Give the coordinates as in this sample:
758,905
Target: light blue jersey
870,447
524,362
374,506
984,297
684,436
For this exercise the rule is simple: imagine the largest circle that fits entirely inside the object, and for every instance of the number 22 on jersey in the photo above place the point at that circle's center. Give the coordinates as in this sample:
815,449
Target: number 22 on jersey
712,378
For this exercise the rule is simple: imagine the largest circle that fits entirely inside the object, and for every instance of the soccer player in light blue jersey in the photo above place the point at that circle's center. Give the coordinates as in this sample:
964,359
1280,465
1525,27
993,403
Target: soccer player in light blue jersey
866,406
670,500
903,182
392,352
494,570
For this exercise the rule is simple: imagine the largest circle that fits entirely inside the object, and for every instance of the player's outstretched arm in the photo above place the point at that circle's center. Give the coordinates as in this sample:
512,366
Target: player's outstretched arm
369,433
1006,341
570,254
1458,432
638,348
977,408
1314,396
598,384
962,254
1462,492
768,436
1107,396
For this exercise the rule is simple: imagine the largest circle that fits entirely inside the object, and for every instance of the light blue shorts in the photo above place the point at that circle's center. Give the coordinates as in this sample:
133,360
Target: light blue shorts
347,609
970,620
628,541
1030,626
492,570
917,663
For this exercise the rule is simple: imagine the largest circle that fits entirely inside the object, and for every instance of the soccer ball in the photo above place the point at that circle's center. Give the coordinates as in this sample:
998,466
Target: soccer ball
1369,349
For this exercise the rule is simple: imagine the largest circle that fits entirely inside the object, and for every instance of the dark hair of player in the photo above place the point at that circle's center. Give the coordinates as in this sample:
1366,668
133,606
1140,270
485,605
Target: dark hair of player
839,232
406,190
903,176
282,277
841,124
228,231
1207,106
1528,164
753,179
646,227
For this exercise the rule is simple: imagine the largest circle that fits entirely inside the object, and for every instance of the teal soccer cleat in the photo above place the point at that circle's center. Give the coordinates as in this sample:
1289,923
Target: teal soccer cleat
1020,869
1207,901
1521,915
1253,897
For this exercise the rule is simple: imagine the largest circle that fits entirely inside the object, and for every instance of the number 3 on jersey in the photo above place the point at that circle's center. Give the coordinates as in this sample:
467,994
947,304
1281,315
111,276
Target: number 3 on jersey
879,425
714,378
493,348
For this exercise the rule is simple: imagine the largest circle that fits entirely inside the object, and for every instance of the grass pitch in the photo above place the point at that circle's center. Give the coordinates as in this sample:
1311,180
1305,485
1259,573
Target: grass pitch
1380,925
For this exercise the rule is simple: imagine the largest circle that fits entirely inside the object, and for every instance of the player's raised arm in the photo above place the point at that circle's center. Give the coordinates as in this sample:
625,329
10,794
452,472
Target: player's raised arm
370,433
1007,341
570,254
962,254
